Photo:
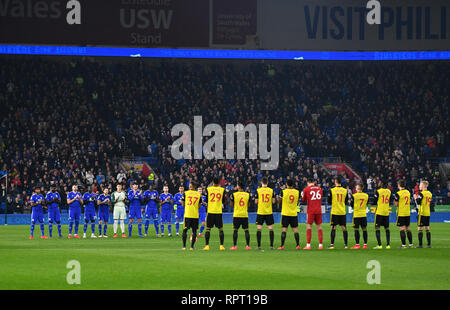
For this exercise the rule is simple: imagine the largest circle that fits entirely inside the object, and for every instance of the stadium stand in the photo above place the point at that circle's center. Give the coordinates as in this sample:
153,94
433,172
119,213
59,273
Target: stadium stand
386,120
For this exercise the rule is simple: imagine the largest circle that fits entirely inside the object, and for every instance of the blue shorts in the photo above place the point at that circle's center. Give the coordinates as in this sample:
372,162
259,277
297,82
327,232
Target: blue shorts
202,217
37,215
179,215
89,214
135,212
74,213
103,215
151,213
166,215
54,215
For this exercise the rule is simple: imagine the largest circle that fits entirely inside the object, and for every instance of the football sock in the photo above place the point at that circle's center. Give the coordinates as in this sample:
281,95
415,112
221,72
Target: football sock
207,234
201,229
333,235
420,236
235,237
85,227
59,229
194,237
116,222
357,236
77,224
93,228
378,234
429,237
122,226
258,238
147,224
162,229
169,228
345,233
32,228
247,237
177,227
104,229
50,229
320,234
140,229
388,236
130,228
409,234
403,237
272,237
308,236
70,227
43,229
365,235
156,223
184,237
283,237
297,238
221,236
100,229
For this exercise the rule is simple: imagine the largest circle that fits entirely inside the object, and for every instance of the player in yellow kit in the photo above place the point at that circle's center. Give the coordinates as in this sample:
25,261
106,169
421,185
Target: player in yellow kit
382,198
215,195
264,201
191,199
240,200
289,216
337,197
359,202
425,204
402,200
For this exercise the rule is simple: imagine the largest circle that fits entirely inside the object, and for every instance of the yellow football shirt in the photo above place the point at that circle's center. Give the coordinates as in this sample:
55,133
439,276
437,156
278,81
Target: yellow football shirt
424,208
404,199
191,204
265,195
384,195
215,199
289,202
338,196
240,204
360,204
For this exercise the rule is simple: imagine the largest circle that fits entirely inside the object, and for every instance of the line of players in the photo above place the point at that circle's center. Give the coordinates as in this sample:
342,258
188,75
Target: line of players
192,208
312,195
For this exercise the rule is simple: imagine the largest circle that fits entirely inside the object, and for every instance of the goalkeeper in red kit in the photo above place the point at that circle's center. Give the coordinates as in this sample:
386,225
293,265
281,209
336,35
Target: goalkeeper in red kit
312,195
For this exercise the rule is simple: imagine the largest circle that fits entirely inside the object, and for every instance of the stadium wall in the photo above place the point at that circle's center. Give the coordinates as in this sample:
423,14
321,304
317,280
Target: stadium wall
436,217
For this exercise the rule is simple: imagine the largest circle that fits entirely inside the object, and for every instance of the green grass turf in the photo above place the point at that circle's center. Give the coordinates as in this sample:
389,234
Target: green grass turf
159,263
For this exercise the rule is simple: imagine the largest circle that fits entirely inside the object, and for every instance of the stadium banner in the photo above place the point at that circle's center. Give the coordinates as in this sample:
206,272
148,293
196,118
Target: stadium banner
346,25
146,23
138,166
233,21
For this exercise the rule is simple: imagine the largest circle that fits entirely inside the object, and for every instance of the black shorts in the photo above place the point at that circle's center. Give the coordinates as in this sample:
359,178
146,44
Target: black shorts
403,220
289,220
340,220
214,220
423,221
360,221
190,223
240,221
382,220
266,218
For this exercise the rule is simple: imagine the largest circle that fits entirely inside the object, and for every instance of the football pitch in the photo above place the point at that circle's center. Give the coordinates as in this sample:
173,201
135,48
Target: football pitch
159,263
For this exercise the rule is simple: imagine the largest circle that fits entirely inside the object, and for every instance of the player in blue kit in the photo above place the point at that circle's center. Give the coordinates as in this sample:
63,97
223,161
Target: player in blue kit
53,199
74,200
103,202
135,197
37,214
179,208
151,209
89,199
202,212
166,200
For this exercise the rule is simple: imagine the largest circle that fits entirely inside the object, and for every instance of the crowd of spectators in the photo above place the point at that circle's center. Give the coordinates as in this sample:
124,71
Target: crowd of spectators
68,121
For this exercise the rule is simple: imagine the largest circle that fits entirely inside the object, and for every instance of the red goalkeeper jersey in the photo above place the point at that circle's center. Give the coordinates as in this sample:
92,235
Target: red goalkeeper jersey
313,196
